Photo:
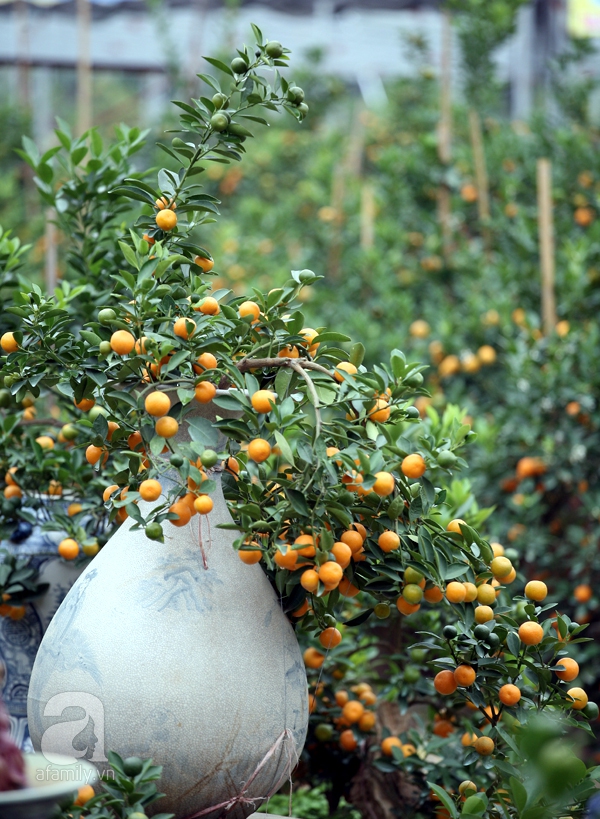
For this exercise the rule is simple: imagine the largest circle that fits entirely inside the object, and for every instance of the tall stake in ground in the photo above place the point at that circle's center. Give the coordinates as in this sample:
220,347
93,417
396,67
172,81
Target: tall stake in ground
546,232
84,67
481,177
445,134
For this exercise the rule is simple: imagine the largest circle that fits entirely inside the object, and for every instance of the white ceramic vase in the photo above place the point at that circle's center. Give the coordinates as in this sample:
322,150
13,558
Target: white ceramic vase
179,652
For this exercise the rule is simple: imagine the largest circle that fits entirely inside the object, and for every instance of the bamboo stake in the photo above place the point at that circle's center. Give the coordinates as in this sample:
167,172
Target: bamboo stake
481,177
445,134
338,193
367,216
51,260
23,57
356,142
84,67
546,234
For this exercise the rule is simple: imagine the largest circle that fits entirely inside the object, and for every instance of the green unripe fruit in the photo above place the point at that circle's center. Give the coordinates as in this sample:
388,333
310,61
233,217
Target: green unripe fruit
501,567
133,765
154,531
573,627
493,640
414,380
481,632
162,290
306,276
220,100
238,65
591,711
219,122
329,621
106,315
274,49
412,593
295,94
104,348
382,610
303,108
412,575
323,732
446,458
179,293
412,412
69,432
4,398
209,458
176,460
415,488
9,380
418,655
195,298
346,498
97,440
520,614
96,411
449,632
411,674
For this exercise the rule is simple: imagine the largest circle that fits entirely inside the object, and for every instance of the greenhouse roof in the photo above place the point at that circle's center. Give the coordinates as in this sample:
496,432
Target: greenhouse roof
285,6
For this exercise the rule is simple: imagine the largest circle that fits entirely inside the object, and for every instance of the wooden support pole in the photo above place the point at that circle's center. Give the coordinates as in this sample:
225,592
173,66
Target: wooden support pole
481,177
546,238
367,216
338,193
21,12
51,260
445,134
84,67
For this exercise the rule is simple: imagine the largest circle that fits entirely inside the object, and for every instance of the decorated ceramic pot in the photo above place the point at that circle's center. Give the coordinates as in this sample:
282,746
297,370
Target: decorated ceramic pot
180,652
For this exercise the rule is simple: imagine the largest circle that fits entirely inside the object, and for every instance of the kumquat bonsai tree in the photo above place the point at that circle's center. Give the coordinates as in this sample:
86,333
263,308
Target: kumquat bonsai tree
343,494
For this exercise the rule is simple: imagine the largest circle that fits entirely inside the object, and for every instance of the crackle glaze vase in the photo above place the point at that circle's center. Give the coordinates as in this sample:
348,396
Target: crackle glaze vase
179,652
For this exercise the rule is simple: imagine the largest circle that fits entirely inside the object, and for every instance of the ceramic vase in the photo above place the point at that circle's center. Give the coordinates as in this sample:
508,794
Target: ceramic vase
20,639
180,652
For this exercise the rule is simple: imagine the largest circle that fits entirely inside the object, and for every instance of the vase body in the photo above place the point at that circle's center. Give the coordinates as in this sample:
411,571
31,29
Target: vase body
20,639
188,658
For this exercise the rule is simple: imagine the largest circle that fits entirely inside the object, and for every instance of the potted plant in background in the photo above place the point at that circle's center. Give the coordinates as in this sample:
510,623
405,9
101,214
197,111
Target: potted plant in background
52,516
332,482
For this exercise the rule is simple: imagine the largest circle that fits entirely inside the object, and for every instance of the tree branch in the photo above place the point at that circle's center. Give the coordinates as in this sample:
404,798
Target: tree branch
259,363
295,366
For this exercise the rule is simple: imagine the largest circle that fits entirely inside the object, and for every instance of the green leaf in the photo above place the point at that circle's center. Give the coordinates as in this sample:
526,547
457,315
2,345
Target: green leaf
330,336
507,738
90,337
519,793
285,448
474,805
202,430
218,64
357,354
444,799
298,502
129,255
360,618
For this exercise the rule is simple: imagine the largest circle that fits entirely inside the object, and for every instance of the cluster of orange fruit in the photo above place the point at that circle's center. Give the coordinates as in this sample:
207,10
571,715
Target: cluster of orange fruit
10,610
530,633
354,715
483,593
449,365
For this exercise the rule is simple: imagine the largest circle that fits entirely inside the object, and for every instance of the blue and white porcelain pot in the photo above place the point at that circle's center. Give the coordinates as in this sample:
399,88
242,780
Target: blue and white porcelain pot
20,639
